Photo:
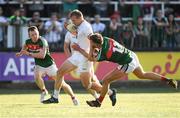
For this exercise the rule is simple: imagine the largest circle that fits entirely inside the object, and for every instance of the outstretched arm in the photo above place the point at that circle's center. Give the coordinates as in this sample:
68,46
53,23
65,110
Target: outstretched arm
18,54
41,54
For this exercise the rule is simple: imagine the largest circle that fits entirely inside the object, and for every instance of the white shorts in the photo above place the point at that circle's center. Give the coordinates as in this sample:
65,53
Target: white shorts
50,71
127,68
82,63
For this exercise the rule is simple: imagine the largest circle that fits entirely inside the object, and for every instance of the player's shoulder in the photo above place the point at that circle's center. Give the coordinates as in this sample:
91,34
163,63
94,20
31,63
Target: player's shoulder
85,24
28,41
43,40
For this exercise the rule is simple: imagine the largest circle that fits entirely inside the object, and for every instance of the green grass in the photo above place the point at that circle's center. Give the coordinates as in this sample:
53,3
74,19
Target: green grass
132,103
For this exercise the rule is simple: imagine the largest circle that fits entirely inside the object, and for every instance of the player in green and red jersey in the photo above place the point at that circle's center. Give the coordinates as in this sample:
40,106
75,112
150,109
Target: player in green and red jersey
107,49
37,47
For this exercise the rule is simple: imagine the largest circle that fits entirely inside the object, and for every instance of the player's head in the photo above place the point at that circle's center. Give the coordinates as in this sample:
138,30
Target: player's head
97,39
33,33
77,17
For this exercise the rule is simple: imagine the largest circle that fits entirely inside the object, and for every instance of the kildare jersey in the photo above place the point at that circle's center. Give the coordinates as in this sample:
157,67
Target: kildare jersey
114,52
35,48
84,29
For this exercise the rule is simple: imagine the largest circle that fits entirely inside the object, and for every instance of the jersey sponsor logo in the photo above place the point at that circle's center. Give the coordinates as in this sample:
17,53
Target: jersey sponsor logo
33,48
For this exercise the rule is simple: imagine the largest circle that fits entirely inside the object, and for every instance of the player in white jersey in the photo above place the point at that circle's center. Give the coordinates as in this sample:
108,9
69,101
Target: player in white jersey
78,61
70,39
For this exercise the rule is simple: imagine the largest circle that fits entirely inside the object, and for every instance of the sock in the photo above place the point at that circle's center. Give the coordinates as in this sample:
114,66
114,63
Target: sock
96,96
100,99
56,94
110,92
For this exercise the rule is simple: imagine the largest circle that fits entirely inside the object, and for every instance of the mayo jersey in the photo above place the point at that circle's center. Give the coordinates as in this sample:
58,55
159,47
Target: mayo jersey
35,48
70,38
84,29
114,52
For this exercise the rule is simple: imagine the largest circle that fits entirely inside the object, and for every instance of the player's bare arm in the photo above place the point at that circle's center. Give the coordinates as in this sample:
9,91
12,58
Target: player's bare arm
83,52
18,54
66,49
41,54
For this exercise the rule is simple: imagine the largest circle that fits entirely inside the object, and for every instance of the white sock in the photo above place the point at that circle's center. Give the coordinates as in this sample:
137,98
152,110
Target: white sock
110,92
96,95
56,93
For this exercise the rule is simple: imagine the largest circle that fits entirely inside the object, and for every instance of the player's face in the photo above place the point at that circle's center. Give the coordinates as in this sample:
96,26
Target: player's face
77,21
95,45
34,35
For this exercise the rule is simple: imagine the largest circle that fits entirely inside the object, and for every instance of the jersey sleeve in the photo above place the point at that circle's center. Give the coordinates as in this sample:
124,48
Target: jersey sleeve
88,30
44,42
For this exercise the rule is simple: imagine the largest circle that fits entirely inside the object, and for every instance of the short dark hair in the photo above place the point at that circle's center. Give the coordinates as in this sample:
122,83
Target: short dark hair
76,13
32,28
96,38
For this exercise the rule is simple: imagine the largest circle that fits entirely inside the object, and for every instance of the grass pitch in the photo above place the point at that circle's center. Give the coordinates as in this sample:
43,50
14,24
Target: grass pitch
136,103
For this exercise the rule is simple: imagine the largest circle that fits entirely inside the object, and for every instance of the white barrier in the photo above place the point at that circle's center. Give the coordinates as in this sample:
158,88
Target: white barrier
11,36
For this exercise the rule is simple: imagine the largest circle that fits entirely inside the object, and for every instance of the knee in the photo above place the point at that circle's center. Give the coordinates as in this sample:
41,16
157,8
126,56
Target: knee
106,81
60,73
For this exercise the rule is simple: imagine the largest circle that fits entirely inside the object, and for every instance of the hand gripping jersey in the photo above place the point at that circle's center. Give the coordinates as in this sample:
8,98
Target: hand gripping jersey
35,48
114,52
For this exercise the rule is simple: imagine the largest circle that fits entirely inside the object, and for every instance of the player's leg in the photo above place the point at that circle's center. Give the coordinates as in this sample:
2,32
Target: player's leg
110,77
110,92
67,88
93,79
65,68
38,73
140,73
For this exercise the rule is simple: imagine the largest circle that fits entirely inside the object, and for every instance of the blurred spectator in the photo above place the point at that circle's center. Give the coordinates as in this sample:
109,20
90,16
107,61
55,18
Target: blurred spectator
98,26
86,7
136,10
3,1
141,34
101,8
148,10
3,27
128,34
178,35
37,21
23,14
158,30
171,31
69,5
88,19
115,28
53,30
17,21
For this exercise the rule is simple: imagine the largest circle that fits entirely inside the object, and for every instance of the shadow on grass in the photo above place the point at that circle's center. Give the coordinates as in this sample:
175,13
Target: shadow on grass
80,91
